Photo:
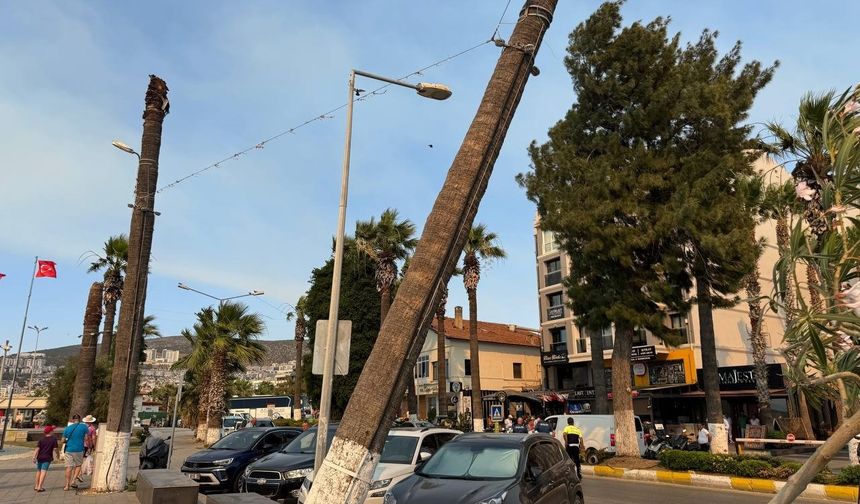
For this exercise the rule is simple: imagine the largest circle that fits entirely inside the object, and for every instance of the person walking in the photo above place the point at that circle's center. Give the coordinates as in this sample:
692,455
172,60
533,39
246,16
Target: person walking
74,436
90,444
520,427
572,438
704,439
43,455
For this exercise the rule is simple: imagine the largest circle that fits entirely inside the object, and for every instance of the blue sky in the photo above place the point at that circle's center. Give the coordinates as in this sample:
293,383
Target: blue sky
74,75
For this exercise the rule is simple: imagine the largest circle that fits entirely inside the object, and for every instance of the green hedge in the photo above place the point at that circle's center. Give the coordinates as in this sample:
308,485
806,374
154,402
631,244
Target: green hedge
849,476
746,466
289,422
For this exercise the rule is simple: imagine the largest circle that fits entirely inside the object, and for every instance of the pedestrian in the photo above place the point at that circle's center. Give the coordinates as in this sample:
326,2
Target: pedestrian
755,421
73,451
43,455
542,426
704,439
509,423
742,424
305,426
531,424
727,424
90,444
572,437
520,427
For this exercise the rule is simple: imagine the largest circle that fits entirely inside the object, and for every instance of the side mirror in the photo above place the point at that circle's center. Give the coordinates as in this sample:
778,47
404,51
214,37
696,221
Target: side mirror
424,456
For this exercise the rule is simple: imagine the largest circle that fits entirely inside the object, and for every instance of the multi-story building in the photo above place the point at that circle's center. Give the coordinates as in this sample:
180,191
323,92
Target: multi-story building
161,357
509,359
666,378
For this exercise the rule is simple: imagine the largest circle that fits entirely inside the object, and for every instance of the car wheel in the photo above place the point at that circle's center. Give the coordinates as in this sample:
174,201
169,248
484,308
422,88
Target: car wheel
237,485
591,457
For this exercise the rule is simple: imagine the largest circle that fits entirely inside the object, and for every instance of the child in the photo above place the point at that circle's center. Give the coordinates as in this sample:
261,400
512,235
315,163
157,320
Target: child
43,455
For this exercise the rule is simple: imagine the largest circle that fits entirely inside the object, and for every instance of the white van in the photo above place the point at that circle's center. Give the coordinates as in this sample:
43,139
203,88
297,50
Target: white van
599,431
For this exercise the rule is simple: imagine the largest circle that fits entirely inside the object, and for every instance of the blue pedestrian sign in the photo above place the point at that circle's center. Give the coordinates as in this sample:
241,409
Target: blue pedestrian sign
496,412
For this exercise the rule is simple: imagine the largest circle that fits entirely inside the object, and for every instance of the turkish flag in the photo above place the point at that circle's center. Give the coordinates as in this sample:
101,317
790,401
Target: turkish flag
46,269
1,276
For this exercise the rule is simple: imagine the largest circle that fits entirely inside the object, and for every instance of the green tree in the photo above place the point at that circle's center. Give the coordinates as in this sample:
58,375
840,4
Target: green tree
359,302
239,387
265,388
300,333
113,260
481,246
83,392
61,386
165,394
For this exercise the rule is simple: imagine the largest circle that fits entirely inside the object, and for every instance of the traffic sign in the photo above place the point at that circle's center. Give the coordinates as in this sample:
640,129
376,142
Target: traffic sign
501,396
344,338
454,399
496,412
790,438
456,387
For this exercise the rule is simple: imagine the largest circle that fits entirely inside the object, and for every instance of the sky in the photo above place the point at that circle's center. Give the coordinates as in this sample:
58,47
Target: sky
74,77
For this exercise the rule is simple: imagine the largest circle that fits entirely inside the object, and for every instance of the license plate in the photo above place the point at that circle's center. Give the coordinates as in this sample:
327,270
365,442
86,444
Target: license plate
194,476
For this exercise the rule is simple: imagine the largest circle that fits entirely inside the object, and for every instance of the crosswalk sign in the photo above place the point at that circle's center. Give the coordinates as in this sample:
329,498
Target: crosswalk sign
496,412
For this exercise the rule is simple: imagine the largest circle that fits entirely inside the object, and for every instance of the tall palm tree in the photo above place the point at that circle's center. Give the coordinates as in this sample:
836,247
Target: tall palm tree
387,241
113,262
301,331
83,390
481,246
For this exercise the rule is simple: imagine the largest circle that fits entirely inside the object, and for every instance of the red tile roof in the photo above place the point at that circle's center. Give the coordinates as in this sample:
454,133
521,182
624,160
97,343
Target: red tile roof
491,332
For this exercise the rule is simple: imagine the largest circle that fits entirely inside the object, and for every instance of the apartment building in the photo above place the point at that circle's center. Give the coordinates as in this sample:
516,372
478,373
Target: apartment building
666,378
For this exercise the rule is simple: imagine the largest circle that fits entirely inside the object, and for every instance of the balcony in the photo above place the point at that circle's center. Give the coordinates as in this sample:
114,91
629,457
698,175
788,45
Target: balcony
560,347
553,278
555,312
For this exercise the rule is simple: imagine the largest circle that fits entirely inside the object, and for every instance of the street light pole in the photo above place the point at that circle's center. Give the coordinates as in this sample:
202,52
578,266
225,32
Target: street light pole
33,357
434,91
220,300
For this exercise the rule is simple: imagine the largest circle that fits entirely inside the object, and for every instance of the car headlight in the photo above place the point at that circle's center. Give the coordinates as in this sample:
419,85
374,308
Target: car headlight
494,500
389,498
223,462
298,473
376,485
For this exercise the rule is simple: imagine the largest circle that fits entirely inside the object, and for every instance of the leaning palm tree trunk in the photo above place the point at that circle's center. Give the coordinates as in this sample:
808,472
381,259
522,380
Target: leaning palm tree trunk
107,338
82,394
297,397
112,461
758,342
348,468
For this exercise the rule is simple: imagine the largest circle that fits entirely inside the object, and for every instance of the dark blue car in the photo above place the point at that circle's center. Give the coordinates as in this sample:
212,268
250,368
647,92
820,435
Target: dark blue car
219,467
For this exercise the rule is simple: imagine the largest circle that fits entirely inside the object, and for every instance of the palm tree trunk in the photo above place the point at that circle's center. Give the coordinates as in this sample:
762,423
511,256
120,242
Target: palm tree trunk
710,377
626,442
365,423
384,303
815,301
598,375
297,398
203,407
441,366
107,338
129,337
758,342
474,359
217,390
83,391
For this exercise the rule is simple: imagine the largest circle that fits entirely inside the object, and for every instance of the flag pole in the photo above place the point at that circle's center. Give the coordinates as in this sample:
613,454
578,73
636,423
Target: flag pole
18,357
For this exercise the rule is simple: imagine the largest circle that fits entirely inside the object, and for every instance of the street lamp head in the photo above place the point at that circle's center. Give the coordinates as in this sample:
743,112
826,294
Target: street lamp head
256,293
433,90
123,147
183,286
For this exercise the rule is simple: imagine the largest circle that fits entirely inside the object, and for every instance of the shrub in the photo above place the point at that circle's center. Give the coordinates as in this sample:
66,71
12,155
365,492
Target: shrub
776,435
849,475
825,477
754,468
289,422
783,471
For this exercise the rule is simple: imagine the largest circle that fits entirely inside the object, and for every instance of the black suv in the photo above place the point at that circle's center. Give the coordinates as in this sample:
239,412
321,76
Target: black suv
220,467
280,474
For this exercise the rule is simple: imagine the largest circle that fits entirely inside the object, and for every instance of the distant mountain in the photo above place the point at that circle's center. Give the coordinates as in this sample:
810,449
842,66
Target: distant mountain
276,351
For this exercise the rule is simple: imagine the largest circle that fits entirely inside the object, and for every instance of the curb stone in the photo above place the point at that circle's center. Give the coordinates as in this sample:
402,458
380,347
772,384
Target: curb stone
813,491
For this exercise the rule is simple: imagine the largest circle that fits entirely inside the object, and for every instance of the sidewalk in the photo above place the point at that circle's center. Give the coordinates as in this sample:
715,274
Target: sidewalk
17,477
813,491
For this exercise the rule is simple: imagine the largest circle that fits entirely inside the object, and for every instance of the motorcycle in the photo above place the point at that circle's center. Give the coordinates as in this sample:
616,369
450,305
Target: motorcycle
153,453
660,442
682,442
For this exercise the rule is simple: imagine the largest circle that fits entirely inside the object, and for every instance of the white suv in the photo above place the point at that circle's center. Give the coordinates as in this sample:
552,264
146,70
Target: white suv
405,448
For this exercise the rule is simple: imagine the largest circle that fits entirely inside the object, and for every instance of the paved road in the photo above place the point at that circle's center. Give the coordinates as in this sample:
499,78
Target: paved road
615,491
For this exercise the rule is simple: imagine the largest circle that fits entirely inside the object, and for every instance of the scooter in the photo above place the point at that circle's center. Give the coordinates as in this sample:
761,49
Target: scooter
682,442
153,453
660,442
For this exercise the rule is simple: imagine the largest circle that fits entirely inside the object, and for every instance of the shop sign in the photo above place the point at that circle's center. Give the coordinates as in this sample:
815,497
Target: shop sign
667,373
643,353
743,377
581,393
549,358
639,369
426,388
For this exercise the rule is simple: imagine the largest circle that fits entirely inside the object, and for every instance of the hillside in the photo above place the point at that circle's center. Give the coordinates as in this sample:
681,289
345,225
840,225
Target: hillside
276,351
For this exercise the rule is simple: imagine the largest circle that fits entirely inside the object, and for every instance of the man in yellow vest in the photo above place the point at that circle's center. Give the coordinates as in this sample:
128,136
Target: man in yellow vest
572,439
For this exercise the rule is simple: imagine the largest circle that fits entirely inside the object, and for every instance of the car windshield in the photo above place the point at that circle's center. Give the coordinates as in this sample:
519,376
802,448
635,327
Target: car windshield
398,450
472,461
239,440
306,442
230,422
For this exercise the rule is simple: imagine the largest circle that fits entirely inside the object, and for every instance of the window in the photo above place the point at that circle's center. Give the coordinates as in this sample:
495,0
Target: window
398,450
553,272
559,339
550,244
518,370
422,366
582,342
679,322
640,337
555,306
606,334
467,365
435,375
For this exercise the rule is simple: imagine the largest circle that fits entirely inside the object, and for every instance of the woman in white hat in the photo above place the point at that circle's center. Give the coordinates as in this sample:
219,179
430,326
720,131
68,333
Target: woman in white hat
90,443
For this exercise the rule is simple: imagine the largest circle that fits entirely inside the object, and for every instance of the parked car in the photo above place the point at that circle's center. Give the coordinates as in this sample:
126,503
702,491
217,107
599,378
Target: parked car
231,423
220,467
279,475
405,448
493,468
412,423
599,431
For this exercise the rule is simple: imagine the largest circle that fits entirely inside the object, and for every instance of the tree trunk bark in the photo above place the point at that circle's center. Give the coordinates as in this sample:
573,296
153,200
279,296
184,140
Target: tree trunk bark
474,359
710,377
349,465
83,391
297,399
814,464
598,375
217,390
107,333
626,443
129,337
441,368
758,342
384,303
815,301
